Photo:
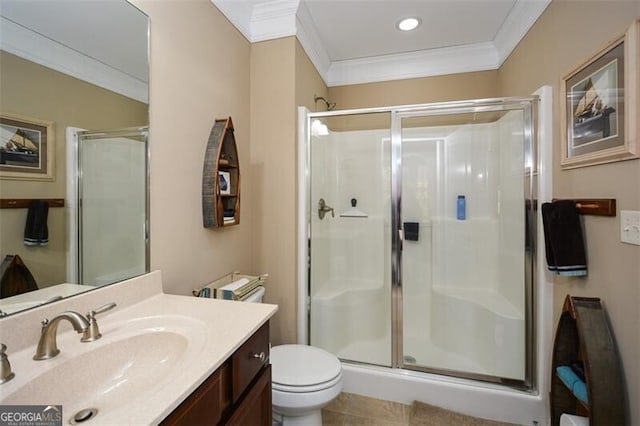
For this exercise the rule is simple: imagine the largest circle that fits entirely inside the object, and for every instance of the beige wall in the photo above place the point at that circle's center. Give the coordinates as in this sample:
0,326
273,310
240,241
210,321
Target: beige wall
282,77
199,71
567,33
34,91
474,85
273,161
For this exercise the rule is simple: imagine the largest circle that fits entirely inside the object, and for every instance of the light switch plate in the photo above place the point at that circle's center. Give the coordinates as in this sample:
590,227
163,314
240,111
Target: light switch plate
630,227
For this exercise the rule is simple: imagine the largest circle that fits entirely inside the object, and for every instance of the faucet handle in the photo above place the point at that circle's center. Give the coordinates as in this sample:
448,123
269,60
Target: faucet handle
5,367
93,332
101,309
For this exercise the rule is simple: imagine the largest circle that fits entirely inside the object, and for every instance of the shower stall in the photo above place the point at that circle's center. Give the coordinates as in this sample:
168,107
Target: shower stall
420,225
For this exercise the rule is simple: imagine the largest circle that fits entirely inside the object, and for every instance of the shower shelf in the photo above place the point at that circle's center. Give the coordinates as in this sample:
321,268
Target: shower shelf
583,335
221,167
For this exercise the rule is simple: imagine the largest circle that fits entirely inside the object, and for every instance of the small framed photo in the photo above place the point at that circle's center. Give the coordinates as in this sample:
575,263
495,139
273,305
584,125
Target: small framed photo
224,183
26,148
599,105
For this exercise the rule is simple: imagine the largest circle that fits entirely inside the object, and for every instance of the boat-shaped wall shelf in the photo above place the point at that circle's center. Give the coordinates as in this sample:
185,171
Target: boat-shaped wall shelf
221,177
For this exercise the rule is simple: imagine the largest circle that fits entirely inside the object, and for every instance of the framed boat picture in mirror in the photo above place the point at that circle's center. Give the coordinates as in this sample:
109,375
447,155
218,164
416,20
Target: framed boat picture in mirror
599,105
26,148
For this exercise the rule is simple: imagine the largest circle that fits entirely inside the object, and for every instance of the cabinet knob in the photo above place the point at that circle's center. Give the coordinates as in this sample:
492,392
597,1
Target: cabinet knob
261,356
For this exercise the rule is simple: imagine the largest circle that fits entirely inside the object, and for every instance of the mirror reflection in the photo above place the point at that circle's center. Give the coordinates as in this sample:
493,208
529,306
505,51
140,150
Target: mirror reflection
73,148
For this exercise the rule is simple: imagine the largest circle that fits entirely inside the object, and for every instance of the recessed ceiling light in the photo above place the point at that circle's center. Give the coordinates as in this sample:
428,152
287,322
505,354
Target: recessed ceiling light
408,24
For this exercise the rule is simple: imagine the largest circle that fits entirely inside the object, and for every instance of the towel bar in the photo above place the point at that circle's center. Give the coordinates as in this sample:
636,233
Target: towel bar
24,203
595,206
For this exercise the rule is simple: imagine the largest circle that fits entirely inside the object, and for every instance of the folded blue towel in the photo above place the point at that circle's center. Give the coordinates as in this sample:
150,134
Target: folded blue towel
573,382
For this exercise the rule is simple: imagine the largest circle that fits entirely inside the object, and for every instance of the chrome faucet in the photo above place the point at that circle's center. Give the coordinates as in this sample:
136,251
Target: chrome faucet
47,345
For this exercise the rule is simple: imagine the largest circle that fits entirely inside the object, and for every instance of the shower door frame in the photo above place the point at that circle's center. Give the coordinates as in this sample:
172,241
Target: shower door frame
529,106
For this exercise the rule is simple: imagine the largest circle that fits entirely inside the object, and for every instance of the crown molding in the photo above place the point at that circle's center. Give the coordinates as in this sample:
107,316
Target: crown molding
519,21
308,37
273,19
425,63
260,21
280,18
30,45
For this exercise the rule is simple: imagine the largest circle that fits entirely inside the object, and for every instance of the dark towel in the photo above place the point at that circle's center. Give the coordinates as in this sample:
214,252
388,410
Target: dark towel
36,232
564,245
411,231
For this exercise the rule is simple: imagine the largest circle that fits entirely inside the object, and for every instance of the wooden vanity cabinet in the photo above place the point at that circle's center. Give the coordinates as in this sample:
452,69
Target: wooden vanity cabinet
237,393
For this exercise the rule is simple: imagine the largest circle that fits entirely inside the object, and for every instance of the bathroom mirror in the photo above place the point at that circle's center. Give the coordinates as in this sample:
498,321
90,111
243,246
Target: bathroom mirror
64,64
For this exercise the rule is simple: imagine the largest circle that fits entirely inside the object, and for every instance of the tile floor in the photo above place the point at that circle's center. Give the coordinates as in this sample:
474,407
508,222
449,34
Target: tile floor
351,409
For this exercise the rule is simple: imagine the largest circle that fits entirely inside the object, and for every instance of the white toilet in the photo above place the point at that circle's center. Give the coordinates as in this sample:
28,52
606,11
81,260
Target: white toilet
304,379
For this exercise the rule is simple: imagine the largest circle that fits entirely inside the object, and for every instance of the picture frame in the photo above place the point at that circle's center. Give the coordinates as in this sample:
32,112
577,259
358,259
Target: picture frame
224,183
27,148
599,105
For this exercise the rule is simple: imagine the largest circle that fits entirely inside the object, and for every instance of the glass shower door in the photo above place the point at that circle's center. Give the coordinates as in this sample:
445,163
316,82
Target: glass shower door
112,217
464,262
349,236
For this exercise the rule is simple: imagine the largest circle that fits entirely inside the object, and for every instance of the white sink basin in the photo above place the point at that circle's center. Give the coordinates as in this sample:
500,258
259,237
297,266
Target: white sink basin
134,360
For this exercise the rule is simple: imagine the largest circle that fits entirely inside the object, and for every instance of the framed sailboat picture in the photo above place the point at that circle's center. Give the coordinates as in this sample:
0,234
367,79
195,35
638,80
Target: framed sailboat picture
26,148
599,105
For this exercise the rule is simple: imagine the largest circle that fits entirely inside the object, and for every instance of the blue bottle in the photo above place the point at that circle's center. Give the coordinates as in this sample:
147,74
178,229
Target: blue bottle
461,208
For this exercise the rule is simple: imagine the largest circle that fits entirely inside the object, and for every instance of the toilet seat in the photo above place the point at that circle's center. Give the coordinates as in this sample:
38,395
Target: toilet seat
307,389
301,369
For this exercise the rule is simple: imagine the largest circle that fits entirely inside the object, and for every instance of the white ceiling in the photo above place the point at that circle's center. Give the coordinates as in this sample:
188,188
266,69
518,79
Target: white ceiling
356,41
100,41
97,28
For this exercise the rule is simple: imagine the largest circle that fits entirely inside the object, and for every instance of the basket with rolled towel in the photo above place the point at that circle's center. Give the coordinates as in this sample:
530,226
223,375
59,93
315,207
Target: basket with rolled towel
233,286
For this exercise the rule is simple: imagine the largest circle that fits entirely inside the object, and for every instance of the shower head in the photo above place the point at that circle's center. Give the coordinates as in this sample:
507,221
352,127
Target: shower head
330,105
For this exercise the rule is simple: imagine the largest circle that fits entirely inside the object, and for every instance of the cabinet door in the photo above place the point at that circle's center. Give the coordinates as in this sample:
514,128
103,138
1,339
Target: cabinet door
255,407
207,404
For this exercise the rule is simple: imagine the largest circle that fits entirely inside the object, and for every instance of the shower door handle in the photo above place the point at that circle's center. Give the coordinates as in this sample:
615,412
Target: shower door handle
324,208
400,237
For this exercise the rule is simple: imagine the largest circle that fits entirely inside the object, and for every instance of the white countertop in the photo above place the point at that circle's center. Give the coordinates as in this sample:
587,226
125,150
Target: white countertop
217,328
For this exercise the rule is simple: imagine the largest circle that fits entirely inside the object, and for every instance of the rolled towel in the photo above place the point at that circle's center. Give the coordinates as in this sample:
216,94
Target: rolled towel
573,382
567,376
580,391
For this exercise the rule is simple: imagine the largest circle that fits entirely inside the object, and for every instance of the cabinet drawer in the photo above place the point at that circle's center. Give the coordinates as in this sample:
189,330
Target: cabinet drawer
248,360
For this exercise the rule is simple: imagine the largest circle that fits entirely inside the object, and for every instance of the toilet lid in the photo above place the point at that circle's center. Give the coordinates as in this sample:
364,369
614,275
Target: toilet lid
301,365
